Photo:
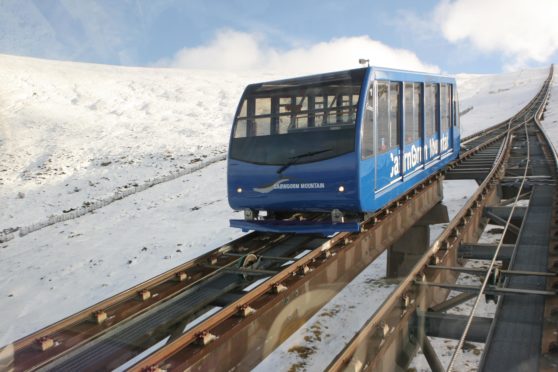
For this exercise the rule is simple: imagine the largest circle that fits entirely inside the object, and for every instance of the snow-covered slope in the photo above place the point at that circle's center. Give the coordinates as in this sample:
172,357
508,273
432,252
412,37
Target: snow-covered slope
486,100
550,116
74,133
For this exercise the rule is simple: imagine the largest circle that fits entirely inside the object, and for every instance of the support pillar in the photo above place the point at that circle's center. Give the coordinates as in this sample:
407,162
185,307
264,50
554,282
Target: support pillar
405,253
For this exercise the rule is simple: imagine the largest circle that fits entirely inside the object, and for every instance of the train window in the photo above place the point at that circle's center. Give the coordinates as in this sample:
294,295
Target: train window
394,114
430,103
445,109
240,130
388,116
413,113
384,135
284,119
417,108
259,118
368,127
319,110
299,112
455,106
262,117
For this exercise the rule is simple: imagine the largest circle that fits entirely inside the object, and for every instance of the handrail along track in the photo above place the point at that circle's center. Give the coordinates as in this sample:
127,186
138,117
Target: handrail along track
377,336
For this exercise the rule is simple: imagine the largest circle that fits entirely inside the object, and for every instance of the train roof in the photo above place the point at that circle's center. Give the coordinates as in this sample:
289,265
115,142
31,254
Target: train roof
379,73
403,75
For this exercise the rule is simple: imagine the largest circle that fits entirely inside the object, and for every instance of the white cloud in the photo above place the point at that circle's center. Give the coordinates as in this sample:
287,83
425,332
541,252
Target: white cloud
239,51
523,30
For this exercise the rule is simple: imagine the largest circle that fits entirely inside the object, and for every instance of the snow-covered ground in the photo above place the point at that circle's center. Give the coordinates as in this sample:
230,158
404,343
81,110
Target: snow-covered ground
550,116
486,100
72,134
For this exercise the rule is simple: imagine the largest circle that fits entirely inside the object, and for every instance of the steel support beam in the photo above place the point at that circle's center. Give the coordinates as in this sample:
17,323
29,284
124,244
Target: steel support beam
451,326
485,251
452,302
431,356
405,253
243,343
504,212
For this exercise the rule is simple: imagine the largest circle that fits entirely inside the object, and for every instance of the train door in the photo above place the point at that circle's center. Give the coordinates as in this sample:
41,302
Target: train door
446,141
432,121
455,117
412,145
388,124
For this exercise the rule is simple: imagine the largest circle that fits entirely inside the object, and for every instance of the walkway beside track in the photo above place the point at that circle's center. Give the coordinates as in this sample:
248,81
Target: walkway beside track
514,342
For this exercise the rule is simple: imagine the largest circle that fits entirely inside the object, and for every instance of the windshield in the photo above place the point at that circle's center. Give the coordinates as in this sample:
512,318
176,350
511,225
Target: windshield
280,121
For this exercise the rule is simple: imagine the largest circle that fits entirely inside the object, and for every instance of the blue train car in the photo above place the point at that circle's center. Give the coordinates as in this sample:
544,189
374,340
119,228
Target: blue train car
343,144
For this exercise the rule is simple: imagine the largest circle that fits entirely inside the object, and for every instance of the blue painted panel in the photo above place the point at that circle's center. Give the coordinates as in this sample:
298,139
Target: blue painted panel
432,148
367,172
412,157
445,142
301,187
296,227
388,169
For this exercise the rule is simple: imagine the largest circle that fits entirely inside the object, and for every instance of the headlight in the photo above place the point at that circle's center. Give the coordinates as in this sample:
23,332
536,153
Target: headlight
341,188
239,190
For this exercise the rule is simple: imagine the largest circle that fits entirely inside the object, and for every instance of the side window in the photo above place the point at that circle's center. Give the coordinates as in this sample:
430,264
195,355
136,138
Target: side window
417,108
384,134
430,94
241,130
445,107
394,114
408,106
456,106
413,114
368,126
388,116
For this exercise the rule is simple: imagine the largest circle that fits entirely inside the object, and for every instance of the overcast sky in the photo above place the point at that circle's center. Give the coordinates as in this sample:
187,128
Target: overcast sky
294,36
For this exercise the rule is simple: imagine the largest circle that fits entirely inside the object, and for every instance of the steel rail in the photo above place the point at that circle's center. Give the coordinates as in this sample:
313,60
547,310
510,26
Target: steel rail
392,305
550,329
95,320
365,349
488,274
534,118
334,252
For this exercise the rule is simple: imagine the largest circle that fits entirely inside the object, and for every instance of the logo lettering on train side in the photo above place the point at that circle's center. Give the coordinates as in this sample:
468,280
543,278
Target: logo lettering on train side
413,157
281,185
269,188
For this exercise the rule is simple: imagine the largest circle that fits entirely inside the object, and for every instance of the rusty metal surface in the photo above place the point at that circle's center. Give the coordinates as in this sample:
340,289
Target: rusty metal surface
81,327
242,343
125,342
364,349
381,339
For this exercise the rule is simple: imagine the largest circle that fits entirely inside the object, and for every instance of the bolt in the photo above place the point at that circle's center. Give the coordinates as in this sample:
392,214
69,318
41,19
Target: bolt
303,270
278,288
45,343
205,338
245,311
99,316
181,276
144,294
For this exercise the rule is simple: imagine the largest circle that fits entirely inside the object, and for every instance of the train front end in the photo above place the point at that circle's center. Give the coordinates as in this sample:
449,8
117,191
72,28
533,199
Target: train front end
292,149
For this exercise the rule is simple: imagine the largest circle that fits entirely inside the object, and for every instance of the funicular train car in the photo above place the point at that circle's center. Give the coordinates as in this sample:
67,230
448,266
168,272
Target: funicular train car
343,144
